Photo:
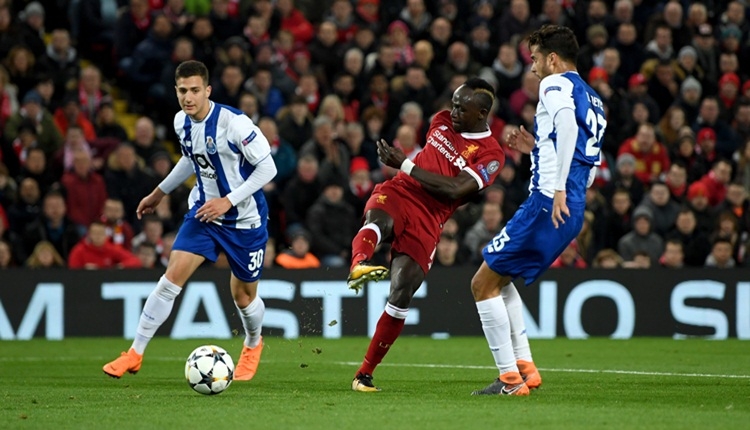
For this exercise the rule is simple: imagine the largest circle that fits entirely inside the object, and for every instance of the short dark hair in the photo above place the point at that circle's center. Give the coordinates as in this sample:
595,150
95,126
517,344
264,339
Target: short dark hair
144,245
54,194
484,93
554,38
149,218
663,26
190,68
263,69
711,99
686,210
621,190
664,62
688,138
674,241
721,239
343,74
742,101
36,149
679,163
720,160
97,223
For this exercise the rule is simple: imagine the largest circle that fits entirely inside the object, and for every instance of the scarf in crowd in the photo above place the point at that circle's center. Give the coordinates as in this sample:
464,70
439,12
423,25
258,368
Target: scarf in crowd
142,24
5,108
89,102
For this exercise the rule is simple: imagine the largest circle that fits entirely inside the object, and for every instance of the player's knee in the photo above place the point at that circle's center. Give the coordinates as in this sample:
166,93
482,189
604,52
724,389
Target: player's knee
176,276
482,287
400,298
243,292
181,266
242,298
400,295
381,219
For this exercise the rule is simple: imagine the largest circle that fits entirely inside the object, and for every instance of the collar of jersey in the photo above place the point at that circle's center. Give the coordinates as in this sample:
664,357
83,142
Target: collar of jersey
482,135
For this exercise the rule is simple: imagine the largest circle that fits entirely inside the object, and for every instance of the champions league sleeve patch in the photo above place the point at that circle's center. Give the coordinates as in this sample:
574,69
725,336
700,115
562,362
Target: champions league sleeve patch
483,172
552,88
493,166
249,139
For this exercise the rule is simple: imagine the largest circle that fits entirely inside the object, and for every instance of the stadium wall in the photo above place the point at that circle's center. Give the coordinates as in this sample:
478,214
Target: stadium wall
575,304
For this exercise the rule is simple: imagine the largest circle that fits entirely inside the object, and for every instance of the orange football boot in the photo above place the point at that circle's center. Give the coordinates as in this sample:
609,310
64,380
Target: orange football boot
127,362
509,384
529,373
248,364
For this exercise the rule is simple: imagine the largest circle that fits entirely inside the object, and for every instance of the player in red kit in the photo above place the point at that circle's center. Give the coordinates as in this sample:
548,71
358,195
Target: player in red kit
460,157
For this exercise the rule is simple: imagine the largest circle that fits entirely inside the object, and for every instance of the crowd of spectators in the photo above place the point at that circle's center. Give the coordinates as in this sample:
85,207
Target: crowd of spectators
325,79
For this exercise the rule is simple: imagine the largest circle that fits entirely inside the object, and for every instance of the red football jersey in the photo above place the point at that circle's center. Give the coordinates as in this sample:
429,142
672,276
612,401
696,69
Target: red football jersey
447,153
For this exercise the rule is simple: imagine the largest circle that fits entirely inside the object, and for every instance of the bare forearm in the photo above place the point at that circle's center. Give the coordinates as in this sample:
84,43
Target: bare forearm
437,185
453,188
158,192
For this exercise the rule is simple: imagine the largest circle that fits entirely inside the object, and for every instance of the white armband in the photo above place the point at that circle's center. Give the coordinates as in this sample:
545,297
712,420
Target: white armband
407,166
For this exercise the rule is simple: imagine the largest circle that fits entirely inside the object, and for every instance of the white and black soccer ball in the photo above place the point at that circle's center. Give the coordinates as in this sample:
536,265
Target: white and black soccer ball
209,369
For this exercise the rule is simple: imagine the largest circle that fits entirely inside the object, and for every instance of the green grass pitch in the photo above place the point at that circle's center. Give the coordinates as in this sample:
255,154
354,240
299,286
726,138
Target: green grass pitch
305,383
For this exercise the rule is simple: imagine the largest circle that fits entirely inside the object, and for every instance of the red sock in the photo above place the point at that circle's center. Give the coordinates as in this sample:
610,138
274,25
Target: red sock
363,245
386,332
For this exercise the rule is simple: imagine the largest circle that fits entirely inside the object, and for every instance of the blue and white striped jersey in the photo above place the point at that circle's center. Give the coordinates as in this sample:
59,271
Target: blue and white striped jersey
557,92
223,149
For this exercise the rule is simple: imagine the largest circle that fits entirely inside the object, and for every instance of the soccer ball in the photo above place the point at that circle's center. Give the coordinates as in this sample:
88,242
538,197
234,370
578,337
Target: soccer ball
209,369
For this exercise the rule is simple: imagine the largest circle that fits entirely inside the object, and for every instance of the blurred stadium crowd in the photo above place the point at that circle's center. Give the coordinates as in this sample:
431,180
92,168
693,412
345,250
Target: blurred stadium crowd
87,102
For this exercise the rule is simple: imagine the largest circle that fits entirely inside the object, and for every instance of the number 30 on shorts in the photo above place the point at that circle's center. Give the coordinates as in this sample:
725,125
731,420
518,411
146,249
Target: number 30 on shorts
498,242
256,260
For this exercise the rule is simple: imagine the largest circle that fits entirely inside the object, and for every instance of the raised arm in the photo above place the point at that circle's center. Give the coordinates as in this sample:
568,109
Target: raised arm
521,140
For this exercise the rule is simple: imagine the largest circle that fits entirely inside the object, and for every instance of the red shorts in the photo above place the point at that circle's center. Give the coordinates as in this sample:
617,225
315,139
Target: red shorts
416,230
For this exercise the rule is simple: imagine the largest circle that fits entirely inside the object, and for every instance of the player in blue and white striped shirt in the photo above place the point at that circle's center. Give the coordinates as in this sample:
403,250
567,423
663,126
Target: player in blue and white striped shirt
569,125
231,160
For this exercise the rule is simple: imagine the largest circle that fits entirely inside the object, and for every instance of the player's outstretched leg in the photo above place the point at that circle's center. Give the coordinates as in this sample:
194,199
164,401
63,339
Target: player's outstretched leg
156,310
363,248
388,329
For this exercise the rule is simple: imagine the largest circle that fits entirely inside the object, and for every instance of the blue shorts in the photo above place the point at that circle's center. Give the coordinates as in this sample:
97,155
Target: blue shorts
245,248
529,243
